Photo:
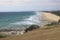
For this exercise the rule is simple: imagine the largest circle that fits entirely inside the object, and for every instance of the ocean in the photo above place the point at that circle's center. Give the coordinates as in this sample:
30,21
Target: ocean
18,19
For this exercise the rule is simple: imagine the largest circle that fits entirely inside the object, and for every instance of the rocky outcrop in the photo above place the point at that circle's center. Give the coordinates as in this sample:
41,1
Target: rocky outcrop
32,27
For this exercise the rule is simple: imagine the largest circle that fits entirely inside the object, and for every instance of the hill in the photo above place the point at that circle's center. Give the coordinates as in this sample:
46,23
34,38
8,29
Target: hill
38,34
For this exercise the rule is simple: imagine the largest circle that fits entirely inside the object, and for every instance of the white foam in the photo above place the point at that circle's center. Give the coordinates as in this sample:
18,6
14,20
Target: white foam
22,22
34,19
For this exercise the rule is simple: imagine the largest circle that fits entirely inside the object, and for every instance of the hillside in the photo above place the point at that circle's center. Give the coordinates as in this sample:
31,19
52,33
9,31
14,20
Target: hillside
38,34
56,12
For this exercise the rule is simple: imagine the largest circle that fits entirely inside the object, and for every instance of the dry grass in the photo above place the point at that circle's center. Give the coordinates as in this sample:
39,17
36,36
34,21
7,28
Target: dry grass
38,34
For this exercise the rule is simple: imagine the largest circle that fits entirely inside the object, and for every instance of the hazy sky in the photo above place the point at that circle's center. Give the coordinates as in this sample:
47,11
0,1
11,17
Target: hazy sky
29,5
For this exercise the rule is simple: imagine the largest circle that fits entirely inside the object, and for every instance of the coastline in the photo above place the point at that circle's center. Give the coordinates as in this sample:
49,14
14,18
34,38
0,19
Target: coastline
21,32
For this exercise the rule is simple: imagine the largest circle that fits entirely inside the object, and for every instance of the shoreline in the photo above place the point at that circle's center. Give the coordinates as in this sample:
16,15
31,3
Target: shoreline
11,32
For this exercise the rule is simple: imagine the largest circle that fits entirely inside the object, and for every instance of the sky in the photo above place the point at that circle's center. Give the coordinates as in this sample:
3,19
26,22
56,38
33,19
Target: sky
29,5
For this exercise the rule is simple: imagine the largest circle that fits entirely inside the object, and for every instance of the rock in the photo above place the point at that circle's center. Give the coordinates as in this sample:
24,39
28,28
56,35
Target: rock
32,27
59,21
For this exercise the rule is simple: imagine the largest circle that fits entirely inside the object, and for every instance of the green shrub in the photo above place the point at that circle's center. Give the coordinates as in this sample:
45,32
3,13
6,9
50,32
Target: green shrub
52,24
3,36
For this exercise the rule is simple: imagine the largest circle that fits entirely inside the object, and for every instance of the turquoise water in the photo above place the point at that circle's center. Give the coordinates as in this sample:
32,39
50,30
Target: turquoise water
15,19
19,20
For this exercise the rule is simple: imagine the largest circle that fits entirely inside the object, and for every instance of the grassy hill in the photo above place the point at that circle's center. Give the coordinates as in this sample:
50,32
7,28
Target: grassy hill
39,34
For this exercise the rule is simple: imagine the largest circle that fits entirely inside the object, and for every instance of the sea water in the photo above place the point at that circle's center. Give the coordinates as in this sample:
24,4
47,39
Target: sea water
18,19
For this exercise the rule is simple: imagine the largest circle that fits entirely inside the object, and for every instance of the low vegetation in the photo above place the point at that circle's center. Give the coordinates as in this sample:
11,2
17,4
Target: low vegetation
3,36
